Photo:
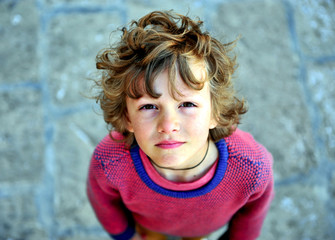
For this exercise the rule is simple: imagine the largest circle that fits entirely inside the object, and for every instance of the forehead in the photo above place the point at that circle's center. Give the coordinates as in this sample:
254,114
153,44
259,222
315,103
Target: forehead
185,80
176,84
180,78
178,88
198,68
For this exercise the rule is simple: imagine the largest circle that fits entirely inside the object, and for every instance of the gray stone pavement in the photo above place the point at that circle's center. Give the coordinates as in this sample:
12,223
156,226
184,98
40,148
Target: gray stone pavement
49,128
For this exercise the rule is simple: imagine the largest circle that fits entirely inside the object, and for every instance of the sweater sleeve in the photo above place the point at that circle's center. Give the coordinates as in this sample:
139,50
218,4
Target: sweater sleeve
107,204
246,223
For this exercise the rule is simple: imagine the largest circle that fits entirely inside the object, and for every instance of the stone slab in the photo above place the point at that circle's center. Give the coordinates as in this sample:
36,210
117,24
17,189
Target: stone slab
75,40
331,204
76,3
315,26
19,218
267,77
320,81
84,237
19,26
299,211
75,139
138,8
21,135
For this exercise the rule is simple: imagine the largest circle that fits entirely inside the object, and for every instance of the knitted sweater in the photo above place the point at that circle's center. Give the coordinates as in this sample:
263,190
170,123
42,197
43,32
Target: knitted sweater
239,192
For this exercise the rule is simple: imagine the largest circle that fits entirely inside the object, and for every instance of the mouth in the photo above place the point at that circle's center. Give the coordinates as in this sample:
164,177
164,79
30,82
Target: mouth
169,144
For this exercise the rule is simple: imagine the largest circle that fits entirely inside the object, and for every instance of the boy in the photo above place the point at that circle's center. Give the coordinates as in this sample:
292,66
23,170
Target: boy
175,163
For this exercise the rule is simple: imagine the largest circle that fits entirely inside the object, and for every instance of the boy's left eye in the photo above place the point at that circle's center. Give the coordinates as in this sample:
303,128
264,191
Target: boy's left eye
187,104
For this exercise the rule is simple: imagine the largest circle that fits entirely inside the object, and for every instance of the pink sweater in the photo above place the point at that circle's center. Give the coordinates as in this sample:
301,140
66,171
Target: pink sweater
123,187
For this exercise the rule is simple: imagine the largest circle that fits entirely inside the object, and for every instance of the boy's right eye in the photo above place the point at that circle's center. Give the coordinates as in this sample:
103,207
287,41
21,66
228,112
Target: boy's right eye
148,107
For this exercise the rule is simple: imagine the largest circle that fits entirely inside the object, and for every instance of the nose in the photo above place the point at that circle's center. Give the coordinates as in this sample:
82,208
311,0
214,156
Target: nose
168,122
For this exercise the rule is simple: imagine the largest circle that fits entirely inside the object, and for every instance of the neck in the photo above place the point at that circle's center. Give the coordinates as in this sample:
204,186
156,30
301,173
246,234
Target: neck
192,173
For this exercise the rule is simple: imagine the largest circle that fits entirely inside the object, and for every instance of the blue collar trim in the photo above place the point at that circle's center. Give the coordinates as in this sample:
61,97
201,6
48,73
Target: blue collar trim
218,176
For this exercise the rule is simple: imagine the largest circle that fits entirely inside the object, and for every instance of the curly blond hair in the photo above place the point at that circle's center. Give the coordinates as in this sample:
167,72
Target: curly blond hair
160,41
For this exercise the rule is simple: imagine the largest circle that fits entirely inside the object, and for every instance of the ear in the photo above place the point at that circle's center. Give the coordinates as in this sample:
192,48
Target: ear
213,124
129,125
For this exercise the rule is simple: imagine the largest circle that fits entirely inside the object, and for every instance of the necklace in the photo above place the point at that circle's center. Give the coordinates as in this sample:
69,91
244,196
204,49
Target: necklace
181,169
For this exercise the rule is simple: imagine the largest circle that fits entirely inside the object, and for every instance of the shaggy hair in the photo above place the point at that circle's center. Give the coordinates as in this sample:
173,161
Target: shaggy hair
166,41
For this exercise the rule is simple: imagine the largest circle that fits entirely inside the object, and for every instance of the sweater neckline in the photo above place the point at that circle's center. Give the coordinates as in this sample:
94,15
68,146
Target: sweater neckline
177,186
189,191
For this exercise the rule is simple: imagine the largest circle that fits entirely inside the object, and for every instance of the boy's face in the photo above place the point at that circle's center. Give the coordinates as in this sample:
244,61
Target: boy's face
173,133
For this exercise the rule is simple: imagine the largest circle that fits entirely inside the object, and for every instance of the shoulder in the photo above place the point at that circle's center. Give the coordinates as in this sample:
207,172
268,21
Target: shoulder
111,150
111,163
249,159
243,144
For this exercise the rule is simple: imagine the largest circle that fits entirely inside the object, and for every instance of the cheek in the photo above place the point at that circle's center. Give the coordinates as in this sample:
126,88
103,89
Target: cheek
198,125
136,122
142,130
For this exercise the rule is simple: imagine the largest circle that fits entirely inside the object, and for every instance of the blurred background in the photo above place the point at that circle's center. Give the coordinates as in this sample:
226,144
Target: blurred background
49,128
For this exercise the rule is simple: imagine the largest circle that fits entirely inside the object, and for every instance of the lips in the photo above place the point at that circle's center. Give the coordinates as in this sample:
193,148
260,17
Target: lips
169,144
